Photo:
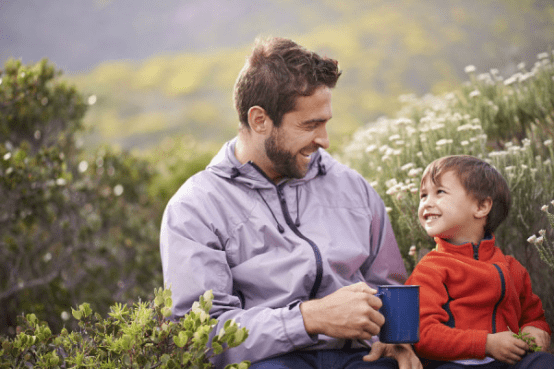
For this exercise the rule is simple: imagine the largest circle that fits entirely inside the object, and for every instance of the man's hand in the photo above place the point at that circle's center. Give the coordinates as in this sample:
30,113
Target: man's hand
541,337
403,353
505,347
351,312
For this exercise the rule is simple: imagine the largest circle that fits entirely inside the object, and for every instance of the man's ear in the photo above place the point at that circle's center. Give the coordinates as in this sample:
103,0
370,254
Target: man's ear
484,208
258,119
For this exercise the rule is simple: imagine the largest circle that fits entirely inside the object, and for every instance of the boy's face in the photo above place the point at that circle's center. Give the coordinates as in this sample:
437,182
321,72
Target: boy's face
447,211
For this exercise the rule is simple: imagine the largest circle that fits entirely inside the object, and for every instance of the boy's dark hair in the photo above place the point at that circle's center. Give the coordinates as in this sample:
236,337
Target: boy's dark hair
480,180
276,73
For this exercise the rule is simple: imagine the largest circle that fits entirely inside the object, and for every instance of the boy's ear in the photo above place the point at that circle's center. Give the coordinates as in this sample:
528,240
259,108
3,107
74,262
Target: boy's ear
484,208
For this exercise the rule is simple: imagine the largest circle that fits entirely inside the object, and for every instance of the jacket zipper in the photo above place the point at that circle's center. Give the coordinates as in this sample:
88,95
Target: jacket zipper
317,253
502,294
292,225
502,285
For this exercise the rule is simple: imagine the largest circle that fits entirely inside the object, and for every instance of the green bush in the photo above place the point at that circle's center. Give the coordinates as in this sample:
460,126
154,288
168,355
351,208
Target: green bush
507,122
74,226
137,337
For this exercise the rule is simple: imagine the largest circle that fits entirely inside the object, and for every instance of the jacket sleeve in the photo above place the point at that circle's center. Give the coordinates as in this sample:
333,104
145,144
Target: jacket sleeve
438,341
194,261
532,312
385,265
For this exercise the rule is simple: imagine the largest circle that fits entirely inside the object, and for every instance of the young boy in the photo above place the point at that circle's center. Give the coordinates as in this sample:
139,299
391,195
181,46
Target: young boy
473,297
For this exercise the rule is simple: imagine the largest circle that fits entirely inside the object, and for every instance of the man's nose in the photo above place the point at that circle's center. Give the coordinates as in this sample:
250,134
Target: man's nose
322,138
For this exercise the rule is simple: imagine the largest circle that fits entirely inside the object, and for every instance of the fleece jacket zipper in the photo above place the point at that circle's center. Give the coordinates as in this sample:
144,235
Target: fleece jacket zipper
502,286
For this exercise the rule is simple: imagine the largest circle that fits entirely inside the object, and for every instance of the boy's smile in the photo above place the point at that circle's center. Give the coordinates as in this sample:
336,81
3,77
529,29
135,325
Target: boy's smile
447,211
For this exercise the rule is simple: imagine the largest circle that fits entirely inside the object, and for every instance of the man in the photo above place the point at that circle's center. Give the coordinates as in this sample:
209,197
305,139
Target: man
290,241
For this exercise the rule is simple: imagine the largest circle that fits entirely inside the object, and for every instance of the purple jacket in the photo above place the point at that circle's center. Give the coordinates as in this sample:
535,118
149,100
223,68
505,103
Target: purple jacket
264,248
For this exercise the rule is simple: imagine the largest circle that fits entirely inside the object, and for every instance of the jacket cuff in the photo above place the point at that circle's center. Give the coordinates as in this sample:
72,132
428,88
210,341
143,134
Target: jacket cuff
479,343
293,323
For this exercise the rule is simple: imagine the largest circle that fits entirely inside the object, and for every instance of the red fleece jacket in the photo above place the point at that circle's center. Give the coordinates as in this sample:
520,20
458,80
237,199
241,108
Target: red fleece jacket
467,292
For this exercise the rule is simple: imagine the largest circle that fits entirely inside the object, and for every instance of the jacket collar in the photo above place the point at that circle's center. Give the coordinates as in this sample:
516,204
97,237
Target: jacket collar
225,164
482,251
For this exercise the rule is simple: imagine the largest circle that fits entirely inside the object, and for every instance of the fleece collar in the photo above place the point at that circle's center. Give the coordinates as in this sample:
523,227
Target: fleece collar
482,251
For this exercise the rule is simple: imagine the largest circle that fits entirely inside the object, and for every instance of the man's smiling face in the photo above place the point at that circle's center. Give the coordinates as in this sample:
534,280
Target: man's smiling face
301,132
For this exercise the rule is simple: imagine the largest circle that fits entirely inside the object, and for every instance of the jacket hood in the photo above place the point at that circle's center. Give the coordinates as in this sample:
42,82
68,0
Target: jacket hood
226,165
482,251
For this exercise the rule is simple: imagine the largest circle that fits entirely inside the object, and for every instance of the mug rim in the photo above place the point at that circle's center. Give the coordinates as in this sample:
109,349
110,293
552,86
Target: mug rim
398,286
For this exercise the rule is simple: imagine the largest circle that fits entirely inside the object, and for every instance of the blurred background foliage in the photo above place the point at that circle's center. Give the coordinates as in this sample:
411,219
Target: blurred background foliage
89,159
385,49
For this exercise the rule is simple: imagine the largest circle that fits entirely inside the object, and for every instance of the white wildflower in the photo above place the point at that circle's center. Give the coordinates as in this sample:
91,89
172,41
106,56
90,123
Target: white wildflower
542,232
91,100
544,208
540,239
388,209
65,316
469,69
465,127
390,183
464,143
548,142
414,172
370,148
7,156
542,56
407,166
61,182
412,251
47,257
511,80
118,190
521,65
394,137
532,239
83,166
442,142
474,93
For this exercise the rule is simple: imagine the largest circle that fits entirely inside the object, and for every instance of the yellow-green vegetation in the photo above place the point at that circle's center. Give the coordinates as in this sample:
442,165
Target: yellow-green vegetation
137,337
385,49
529,340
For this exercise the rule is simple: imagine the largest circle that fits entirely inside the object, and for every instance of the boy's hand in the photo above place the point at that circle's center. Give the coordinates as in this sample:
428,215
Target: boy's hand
541,337
504,347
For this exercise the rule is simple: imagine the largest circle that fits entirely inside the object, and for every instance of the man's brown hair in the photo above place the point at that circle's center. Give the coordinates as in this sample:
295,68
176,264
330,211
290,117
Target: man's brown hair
276,73
480,180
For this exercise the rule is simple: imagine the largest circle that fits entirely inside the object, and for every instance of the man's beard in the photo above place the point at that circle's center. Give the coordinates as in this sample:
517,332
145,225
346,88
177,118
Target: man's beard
284,162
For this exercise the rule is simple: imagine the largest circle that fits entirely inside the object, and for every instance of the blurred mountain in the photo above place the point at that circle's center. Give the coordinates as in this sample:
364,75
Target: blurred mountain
157,69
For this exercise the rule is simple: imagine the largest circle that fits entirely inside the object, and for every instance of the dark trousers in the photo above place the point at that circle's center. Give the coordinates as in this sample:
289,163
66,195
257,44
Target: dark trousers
325,359
535,360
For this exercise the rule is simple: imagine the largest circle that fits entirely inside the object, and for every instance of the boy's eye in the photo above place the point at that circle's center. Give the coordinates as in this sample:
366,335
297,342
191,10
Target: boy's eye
423,195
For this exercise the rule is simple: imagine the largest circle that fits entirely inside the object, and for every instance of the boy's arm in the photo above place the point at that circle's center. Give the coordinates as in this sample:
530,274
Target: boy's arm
438,341
532,312
532,319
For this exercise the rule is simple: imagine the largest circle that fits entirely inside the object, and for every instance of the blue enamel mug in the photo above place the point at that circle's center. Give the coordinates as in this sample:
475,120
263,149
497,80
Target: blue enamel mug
401,311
